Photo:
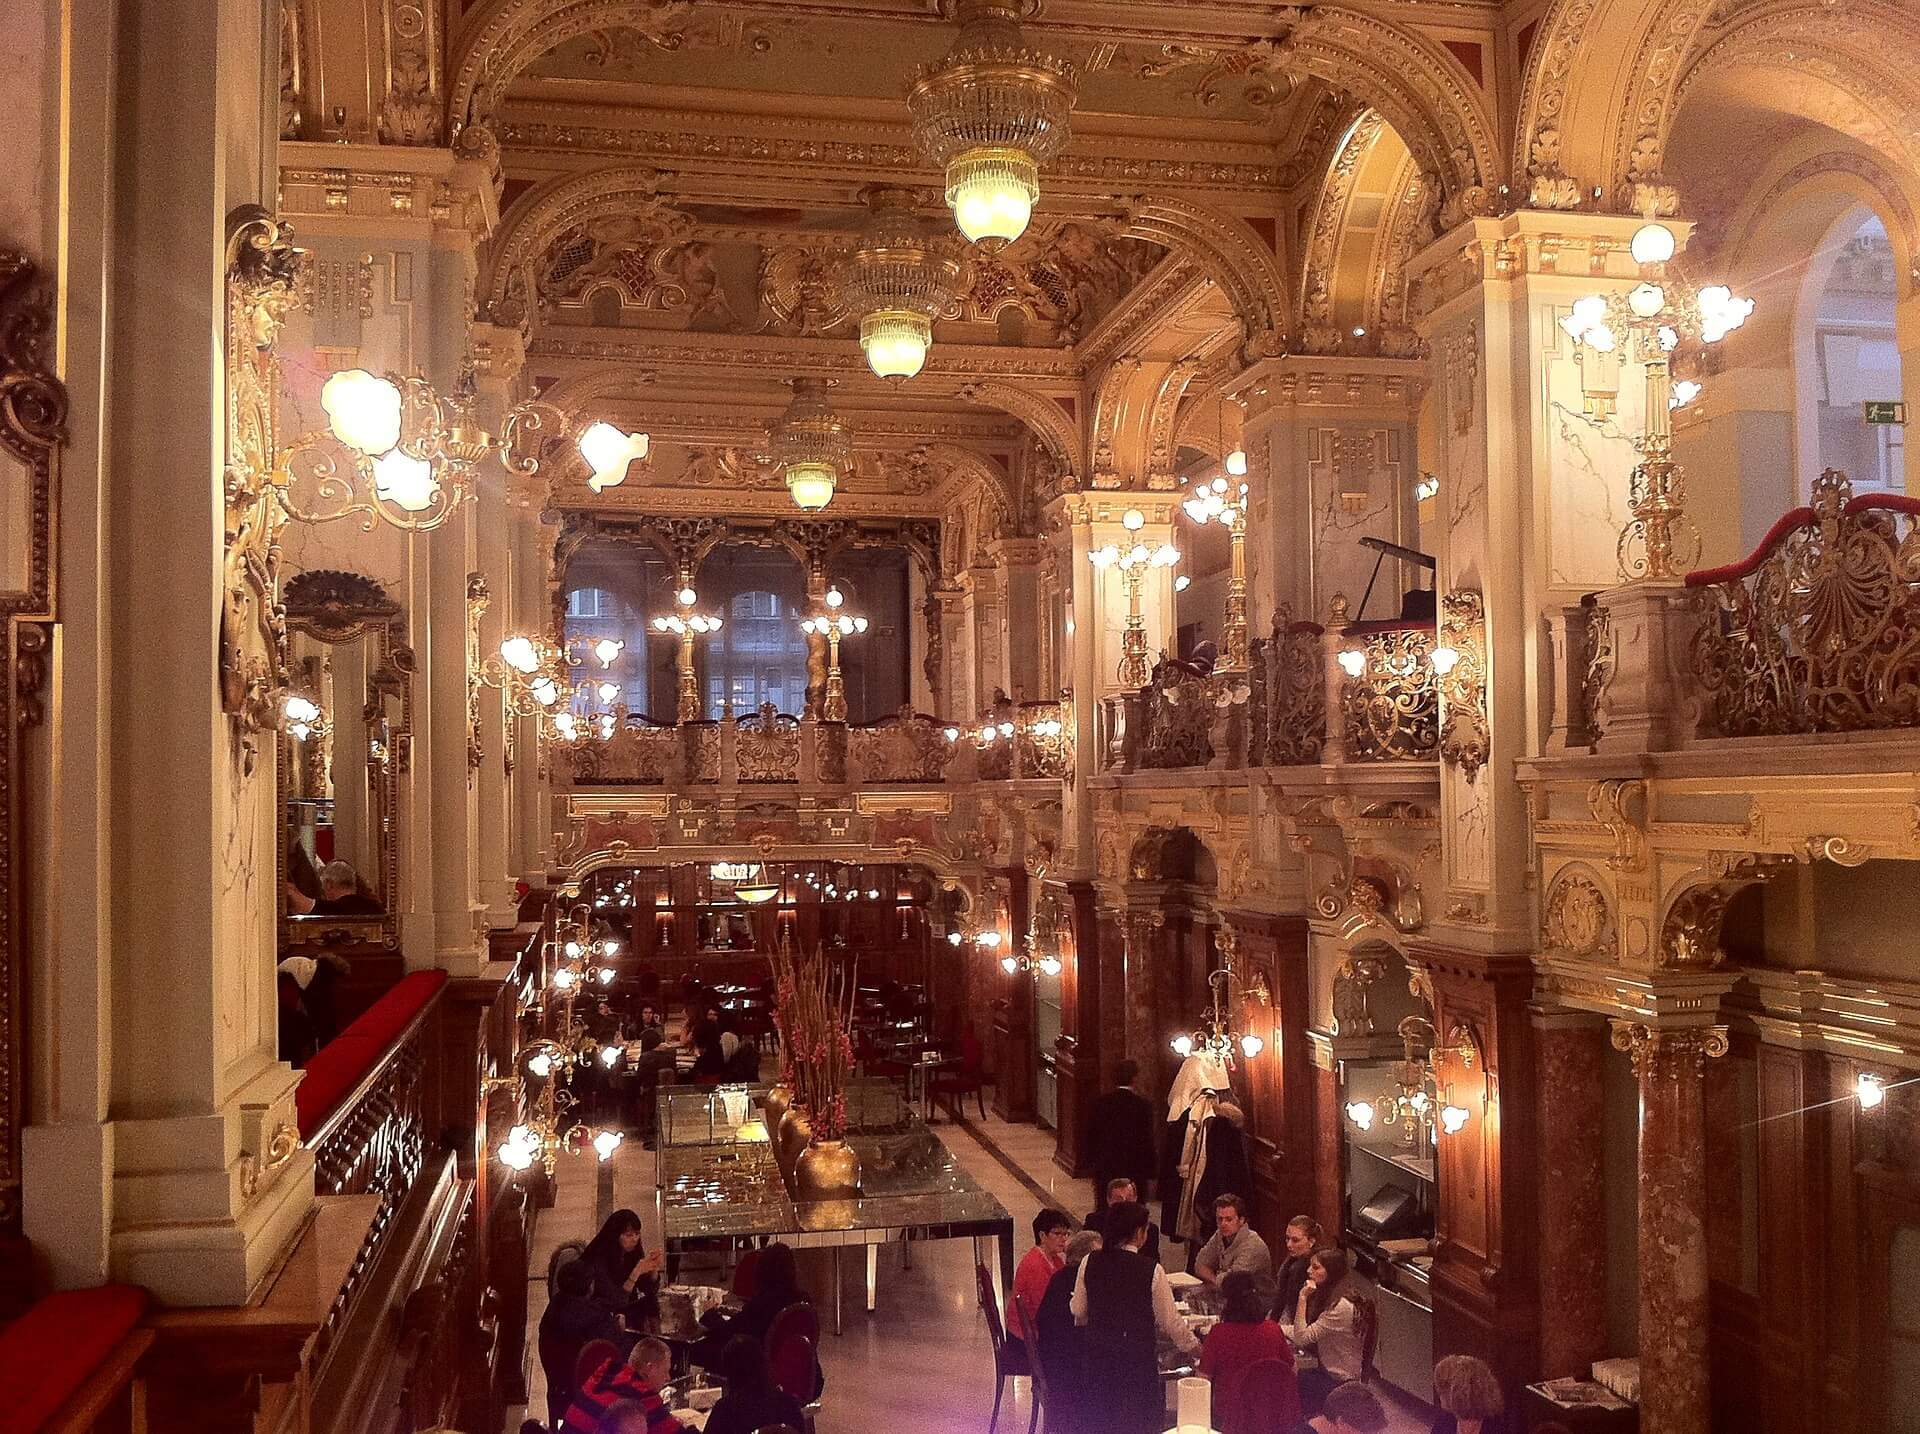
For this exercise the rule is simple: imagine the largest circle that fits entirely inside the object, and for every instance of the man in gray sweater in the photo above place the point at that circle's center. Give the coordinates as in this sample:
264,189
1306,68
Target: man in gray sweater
1235,1245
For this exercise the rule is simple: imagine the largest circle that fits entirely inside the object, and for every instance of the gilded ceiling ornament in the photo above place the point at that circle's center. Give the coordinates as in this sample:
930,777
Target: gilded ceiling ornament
410,113
673,26
800,290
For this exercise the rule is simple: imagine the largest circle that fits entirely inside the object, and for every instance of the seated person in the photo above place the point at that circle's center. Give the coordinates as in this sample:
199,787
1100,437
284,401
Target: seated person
776,1286
1244,1336
1235,1245
636,1380
1325,1322
1468,1395
1060,1339
1350,1409
709,1060
626,1279
1303,1238
1123,1191
753,1400
651,1019
340,894
1037,1268
744,1064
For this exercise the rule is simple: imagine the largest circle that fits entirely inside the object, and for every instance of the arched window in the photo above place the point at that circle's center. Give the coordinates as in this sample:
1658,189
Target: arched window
596,612
1856,378
759,655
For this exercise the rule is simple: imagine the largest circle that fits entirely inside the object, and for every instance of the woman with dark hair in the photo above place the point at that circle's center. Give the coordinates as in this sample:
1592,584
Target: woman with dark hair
1325,1322
709,1060
1243,1336
752,1400
626,1279
776,1288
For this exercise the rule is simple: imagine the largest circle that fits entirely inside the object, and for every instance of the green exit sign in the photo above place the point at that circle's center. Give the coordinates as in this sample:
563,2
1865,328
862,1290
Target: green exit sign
1884,410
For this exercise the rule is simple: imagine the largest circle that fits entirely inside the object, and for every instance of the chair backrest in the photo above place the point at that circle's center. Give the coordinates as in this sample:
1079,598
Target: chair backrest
593,1354
1265,1398
746,1275
798,1320
776,1429
1367,1325
790,1361
990,1306
566,1254
1039,1359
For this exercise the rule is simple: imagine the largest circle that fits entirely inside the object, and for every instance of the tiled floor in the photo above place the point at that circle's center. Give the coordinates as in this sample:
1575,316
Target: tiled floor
921,1363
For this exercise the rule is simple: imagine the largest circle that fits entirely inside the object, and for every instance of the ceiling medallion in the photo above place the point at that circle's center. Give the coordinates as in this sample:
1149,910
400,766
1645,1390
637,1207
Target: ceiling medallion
990,114
812,445
898,280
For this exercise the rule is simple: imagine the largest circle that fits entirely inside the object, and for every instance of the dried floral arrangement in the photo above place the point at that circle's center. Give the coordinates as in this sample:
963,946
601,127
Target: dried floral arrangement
813,1011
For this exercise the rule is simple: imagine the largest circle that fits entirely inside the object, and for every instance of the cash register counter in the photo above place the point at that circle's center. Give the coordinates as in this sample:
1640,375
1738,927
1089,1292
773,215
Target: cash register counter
720,1188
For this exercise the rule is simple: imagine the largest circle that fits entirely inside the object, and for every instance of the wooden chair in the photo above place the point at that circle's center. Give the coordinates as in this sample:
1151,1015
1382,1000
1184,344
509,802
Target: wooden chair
1264,1398
1009,1355
1037,1361
969,1080
1367,1325
792,1340
746,1276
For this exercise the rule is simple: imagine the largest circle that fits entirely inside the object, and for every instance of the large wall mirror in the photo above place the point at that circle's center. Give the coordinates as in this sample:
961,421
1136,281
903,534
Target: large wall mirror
339,810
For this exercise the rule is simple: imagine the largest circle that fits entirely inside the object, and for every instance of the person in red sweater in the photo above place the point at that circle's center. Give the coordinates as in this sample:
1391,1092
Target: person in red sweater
1051,1229
637,1380
1243,1337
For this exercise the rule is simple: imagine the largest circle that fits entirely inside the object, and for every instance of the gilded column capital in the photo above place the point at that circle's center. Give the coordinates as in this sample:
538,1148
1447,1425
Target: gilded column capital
1651,1047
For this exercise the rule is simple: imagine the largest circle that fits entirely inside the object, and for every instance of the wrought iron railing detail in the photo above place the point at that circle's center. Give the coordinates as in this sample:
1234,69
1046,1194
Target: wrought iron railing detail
1296,725
639,753
1178,708
1818,630
1390,710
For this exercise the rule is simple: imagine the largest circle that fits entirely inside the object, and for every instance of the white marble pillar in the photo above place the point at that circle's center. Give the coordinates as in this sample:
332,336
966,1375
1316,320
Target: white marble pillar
163,1088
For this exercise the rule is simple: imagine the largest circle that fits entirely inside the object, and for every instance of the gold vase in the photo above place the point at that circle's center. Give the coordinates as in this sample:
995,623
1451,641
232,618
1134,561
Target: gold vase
827,1170
779,1100
791,1139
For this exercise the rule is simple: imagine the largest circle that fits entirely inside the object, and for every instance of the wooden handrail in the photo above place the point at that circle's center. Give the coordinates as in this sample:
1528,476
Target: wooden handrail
328,1124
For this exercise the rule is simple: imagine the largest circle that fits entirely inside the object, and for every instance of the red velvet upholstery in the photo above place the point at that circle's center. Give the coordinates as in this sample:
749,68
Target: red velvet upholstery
340,1064
47,1354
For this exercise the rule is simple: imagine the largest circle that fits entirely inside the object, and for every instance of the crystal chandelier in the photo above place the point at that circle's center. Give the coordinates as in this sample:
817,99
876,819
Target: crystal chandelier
898,281
812,446
990,114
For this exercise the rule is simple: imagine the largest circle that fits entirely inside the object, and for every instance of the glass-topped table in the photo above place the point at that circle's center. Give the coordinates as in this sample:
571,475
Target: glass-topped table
720,1187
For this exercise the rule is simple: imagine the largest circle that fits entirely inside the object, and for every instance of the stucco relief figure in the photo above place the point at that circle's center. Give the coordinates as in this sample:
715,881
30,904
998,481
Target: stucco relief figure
1083,274
691,266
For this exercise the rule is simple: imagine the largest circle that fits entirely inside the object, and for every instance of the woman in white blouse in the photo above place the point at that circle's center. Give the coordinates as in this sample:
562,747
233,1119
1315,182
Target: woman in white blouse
1325,1321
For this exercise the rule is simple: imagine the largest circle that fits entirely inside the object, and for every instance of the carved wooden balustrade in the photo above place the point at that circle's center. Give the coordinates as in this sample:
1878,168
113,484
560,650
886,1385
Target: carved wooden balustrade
908,747
1177,714
1819,629
365,1115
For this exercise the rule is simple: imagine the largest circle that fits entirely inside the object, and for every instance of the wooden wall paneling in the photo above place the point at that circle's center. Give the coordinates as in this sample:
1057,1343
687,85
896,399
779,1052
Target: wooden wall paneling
1079,1052
1485,1274
1281,1079
1570,1051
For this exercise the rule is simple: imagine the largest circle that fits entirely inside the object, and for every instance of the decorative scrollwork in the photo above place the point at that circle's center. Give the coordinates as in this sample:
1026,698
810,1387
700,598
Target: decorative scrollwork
1579,920
906,747
1297,701
1597,664
1651,1047
768,748
1178,708
1819,631
1464,735
1392,710
639,753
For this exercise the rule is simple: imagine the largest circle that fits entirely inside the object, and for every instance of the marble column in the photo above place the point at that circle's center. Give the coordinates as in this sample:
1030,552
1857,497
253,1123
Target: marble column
528,557
1143,929
1570,1059
1670,1065
1022,614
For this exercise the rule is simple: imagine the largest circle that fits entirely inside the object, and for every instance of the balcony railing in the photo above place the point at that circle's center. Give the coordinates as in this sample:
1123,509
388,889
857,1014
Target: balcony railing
1014,741
1819,629
1386,707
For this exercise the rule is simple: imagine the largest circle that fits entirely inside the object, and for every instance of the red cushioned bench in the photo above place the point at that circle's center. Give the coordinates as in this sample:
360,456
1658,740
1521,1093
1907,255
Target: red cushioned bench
69,1357
343,1062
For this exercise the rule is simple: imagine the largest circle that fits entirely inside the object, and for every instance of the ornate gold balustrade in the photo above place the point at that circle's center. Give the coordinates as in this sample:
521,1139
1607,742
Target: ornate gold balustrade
1386,705
1819,629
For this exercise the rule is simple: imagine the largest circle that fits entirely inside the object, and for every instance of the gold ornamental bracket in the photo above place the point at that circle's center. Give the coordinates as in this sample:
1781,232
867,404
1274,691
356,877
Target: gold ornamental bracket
33,434
1459,660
